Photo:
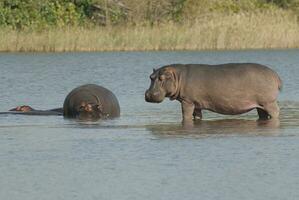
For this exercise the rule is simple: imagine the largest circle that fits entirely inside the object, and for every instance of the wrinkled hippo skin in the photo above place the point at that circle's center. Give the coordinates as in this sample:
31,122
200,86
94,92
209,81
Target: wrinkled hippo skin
229,89
91,102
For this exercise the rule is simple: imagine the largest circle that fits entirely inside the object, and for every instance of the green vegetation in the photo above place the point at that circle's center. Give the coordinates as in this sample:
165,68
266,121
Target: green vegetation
102,25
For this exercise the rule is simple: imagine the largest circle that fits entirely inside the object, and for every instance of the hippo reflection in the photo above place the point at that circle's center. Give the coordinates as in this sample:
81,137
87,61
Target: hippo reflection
218,127
84,102
230,89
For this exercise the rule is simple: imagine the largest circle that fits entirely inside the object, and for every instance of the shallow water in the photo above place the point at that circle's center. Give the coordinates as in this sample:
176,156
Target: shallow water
146,153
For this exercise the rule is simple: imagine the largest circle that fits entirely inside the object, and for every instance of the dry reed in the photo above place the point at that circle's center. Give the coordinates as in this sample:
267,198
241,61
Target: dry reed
238,31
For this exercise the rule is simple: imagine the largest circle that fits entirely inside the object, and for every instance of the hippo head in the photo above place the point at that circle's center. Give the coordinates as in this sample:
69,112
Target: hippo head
163,84
89,111
23,108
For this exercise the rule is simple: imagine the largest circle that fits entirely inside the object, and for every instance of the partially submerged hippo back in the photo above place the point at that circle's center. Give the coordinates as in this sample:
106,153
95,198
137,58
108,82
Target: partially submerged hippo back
91,102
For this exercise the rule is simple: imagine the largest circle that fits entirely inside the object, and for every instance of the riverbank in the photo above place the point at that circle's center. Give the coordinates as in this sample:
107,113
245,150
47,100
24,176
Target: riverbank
261,30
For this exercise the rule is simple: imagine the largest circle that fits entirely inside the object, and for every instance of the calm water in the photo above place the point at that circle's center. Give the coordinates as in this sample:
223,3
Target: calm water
146,153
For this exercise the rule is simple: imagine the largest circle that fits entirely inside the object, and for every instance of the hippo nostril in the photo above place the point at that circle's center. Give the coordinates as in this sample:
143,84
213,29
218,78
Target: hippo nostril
156,94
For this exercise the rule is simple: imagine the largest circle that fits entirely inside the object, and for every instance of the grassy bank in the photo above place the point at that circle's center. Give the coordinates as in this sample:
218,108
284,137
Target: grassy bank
275,29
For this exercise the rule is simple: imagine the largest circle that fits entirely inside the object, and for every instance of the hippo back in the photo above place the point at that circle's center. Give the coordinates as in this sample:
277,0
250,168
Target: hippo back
94,94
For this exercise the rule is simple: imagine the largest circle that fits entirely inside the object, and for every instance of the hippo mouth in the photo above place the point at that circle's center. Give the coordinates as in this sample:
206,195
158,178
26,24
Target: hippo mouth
86,117
90,116
155,97
90,111
153,100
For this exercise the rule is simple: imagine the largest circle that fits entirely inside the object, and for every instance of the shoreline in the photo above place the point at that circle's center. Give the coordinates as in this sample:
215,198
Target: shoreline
144,51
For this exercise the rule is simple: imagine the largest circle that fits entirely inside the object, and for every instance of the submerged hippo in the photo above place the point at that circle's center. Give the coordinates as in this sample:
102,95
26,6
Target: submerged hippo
23,108
229,89
91,101
84,102
28,110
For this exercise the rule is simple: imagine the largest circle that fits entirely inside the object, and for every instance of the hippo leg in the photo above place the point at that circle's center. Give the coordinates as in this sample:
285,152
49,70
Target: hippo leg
269,110
262,114
272,109
187,110
197,115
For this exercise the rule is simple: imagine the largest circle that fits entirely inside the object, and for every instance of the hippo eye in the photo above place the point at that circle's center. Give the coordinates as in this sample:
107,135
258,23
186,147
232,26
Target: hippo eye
168,75
162,77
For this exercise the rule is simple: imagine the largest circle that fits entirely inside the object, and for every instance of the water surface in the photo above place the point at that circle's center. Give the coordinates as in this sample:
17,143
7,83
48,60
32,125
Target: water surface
146,153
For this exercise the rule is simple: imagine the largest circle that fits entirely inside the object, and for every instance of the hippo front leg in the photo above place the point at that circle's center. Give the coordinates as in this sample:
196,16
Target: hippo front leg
187,111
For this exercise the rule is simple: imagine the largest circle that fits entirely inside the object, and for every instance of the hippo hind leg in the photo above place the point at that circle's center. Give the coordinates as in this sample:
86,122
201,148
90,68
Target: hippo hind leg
270,110
197,115
263,115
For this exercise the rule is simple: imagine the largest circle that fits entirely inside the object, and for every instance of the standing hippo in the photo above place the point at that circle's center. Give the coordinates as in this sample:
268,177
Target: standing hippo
229,89
84,102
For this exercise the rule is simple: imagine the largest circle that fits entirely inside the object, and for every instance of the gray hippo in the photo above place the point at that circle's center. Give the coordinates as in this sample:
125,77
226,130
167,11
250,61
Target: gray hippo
91,101
28,110
229,89
88,101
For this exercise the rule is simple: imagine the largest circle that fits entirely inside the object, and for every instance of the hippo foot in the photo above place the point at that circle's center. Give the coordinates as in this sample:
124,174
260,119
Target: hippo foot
269,111
197,118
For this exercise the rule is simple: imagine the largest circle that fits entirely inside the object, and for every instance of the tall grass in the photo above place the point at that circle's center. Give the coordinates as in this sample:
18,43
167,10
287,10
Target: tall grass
277,29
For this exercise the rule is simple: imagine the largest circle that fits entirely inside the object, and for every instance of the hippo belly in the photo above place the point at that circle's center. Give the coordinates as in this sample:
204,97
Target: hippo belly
231,109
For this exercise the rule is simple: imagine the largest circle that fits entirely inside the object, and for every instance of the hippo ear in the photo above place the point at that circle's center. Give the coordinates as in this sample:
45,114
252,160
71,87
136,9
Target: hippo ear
154,70
100,107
